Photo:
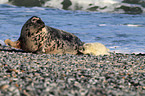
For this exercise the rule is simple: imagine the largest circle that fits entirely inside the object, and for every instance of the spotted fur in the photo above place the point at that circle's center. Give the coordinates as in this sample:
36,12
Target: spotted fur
36,37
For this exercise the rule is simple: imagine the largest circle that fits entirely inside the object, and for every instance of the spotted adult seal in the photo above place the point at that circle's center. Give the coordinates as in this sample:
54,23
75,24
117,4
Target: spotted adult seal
38,38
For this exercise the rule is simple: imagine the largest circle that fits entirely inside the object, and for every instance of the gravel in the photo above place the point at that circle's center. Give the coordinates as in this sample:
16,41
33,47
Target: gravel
29,74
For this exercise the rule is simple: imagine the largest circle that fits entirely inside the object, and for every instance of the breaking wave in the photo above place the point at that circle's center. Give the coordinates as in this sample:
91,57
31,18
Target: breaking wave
114,6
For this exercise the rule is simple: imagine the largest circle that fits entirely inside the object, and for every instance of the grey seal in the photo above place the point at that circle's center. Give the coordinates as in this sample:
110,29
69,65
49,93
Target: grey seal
37,37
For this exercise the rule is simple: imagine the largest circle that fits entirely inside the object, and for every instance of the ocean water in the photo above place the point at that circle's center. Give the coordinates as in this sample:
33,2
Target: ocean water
121,29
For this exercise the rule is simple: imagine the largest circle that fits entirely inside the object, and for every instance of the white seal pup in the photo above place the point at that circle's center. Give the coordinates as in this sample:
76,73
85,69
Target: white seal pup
95,49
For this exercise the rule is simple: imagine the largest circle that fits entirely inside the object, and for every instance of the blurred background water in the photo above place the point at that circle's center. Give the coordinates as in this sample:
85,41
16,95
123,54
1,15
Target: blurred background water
118,24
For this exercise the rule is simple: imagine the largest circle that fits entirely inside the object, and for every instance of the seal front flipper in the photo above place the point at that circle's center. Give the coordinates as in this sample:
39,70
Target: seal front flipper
15,44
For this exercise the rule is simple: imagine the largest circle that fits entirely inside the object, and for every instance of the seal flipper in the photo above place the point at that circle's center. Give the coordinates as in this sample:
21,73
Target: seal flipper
15,44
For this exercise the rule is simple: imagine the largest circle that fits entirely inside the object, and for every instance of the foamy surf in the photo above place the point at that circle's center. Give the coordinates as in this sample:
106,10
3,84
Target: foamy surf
113,6
133,25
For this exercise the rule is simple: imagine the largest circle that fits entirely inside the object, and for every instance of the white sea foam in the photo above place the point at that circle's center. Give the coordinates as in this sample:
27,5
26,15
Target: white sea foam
114,6
85,4
133,25
54,4
102,25
39,8
4,1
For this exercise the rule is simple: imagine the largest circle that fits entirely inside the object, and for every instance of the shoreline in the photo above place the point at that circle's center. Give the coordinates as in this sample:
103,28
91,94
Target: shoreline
31,74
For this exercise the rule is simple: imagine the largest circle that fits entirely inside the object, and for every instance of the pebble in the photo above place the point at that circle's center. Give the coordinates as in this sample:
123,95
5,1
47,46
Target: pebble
28,74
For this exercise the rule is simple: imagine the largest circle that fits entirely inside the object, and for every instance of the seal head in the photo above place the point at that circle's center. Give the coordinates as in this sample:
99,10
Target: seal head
32,35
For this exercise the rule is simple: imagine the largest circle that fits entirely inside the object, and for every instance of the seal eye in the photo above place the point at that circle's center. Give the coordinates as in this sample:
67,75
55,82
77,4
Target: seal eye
39,21
34,20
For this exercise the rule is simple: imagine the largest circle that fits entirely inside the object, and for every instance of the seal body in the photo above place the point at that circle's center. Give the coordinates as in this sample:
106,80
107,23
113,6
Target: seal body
36,37
59,41
95,49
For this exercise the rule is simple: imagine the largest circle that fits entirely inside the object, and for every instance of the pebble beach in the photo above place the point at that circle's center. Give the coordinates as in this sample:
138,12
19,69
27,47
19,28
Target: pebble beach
117,24
29,74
